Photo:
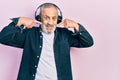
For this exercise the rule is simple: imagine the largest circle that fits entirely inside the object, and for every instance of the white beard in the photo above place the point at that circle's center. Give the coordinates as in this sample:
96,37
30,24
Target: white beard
43,27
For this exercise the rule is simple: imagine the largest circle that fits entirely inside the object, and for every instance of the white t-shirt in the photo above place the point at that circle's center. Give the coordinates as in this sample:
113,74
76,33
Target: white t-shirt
46,67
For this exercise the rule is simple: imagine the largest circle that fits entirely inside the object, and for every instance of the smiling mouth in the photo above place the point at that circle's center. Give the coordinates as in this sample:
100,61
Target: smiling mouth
49,28
48,25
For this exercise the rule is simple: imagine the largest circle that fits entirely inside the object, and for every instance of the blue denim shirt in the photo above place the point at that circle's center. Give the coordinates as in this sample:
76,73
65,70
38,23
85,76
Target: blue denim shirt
30,40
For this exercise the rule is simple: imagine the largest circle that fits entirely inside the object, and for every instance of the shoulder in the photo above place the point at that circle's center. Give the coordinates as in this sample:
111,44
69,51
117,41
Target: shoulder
63,30
33,29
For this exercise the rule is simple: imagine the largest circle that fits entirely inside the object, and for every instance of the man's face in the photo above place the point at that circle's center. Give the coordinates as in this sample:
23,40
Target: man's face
49,17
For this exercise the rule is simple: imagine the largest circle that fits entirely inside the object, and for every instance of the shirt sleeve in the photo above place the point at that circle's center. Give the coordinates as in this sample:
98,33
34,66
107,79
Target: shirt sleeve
81,38
13,35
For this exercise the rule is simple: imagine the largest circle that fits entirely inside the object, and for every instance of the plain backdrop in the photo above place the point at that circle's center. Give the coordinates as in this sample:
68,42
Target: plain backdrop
100,17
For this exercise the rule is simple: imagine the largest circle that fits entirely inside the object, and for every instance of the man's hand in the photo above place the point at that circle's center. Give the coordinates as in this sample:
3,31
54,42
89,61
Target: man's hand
27,22
67,23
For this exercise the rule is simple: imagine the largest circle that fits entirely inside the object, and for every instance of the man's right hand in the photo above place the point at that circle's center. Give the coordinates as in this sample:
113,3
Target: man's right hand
27,22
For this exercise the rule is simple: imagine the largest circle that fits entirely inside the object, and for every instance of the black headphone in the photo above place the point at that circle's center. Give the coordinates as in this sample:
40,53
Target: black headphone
38,17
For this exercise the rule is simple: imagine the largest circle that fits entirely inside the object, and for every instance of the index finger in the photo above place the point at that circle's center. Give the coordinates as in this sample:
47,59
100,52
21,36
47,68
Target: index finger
37,22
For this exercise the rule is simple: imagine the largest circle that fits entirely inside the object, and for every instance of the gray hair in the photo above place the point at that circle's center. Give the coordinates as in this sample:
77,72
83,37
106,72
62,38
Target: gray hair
47,5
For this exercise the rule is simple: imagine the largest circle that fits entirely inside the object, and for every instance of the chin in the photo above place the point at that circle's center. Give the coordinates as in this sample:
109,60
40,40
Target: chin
48,31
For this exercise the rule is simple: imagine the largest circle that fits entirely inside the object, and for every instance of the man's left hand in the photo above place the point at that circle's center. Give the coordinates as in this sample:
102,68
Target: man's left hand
67,23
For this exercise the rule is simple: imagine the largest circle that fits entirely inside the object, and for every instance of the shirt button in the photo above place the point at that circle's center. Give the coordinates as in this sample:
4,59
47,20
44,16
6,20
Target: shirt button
40,36
40,31
37,56
35,66
80,33
33,75
40,46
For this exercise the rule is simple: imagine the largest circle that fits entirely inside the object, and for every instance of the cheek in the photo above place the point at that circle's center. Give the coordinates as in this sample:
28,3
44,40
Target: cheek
55,22
44,21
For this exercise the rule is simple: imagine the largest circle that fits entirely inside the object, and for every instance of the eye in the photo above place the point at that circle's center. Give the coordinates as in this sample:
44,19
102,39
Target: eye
46,17
54,18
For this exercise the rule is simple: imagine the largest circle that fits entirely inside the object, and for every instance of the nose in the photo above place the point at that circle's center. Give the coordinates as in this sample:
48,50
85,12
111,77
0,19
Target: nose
50,21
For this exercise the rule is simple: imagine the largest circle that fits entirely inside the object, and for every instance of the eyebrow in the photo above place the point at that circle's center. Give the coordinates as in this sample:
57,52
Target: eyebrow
49,16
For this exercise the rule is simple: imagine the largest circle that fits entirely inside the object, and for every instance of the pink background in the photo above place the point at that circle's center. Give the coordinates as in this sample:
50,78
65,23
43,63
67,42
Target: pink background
100,17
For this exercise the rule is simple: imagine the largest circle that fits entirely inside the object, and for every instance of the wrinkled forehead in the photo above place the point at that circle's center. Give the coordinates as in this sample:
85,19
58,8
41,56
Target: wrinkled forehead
49,10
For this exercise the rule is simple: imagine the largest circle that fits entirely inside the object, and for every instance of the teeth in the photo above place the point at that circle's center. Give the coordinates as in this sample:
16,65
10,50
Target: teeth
48,26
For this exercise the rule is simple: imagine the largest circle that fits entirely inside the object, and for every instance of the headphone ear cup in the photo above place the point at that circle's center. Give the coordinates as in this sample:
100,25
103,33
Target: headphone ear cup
38,18
59,19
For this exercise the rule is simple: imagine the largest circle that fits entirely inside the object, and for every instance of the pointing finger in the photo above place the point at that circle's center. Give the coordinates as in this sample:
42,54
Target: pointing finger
37,22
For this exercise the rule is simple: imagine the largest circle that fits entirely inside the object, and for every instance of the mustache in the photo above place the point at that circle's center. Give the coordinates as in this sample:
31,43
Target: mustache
49,25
